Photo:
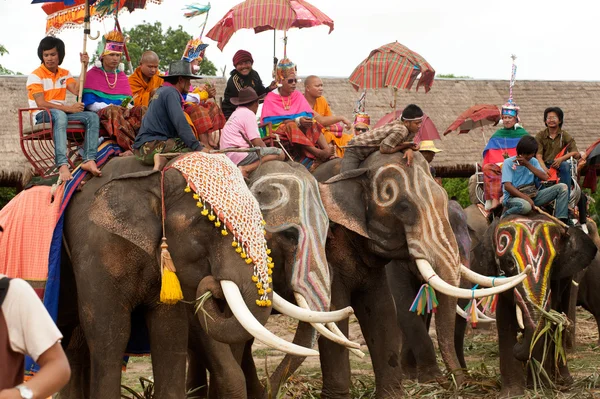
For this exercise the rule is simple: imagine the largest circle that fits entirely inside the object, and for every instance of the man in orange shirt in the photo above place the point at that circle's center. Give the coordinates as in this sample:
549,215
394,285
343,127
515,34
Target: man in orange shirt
145,79
47,88
332,124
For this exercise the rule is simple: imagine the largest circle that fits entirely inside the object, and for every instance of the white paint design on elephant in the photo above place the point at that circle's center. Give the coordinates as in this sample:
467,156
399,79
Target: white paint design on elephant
312,224
430,228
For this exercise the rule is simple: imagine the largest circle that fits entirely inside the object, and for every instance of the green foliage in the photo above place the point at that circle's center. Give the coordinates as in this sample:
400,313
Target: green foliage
168,45
459,189
4,71
452,76
6,194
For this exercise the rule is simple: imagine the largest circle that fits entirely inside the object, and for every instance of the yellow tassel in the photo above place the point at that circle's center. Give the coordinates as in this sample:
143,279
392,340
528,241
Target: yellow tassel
211,217
234,244
204,212
263,222
255,279
199,204
196,197
258,302
268,302
248,260
187,189
269,271
261,292
268,251
270,265
259,285
270,280
243,255
170,289
224,232
218,223
269,290
238,250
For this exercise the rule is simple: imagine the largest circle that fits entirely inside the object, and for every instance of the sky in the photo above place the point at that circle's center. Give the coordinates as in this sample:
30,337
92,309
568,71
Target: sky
553,40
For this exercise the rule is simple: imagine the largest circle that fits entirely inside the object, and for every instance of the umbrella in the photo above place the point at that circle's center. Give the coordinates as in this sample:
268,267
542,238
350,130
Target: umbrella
262,15
427,131
392,65
477,116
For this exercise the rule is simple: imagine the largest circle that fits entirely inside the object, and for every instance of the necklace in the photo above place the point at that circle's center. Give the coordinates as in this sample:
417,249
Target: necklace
113,84
286,104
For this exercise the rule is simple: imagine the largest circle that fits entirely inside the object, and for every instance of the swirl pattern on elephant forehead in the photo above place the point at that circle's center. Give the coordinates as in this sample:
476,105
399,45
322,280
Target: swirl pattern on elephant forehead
312,224
533,243
433,222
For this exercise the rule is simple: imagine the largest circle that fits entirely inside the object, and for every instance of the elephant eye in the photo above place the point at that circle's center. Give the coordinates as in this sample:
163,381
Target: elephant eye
290,234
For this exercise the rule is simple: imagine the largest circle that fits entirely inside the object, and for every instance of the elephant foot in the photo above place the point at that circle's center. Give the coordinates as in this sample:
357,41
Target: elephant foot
430,374
564,377
409,372
511,392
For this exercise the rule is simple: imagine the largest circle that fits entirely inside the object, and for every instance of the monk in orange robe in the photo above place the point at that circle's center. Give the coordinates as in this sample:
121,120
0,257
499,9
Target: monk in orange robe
332,125
145,80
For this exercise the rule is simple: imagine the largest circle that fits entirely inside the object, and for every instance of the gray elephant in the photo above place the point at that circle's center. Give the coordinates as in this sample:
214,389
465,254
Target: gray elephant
555,255
113,230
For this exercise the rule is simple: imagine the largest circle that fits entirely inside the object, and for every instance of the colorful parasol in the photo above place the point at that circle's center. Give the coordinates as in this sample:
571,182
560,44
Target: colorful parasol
427,131
477,116
263,15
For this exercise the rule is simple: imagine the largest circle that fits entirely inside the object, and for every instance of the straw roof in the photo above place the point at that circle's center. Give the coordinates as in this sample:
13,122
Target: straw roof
447,99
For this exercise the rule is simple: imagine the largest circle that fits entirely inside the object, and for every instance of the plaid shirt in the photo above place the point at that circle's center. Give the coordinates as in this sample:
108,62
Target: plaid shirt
388,136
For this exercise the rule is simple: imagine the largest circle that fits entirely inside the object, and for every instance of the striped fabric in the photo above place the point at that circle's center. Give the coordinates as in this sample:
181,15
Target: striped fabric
262,15
392,65
52,85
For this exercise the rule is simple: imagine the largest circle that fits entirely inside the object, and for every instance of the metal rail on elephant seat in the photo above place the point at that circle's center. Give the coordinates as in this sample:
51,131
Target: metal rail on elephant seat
37,142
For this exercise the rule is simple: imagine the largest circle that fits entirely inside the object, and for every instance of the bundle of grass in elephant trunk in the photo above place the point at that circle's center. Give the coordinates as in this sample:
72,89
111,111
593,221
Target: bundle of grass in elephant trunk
551,334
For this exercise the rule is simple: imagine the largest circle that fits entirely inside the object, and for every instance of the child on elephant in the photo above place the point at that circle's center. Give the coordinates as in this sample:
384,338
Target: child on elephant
390,138
521,189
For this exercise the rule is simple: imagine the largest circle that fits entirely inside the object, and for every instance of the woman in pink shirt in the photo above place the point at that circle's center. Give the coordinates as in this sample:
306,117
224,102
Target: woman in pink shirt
241,131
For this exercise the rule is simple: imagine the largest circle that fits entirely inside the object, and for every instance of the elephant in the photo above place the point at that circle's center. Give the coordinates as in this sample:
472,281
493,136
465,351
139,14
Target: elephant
112,232
509,246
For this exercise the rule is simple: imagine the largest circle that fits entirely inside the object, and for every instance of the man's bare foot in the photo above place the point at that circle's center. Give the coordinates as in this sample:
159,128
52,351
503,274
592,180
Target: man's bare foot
64,174
244,171
90,166
126,153
159,162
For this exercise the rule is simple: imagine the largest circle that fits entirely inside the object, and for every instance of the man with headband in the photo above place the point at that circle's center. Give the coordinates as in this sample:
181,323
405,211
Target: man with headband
502,145
393,137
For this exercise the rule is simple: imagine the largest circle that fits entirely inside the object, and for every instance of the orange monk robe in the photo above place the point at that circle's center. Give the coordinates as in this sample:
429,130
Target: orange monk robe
141,89
322,108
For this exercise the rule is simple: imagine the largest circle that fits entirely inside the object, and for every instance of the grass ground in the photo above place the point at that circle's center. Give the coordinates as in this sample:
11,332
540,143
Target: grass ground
481,353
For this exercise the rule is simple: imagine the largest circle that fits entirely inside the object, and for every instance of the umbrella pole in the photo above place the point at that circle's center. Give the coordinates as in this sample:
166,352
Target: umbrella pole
127,57
86,33
274,54
285,44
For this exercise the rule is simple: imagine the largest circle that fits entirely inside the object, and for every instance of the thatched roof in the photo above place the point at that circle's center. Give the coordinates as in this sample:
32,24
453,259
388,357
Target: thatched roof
447,99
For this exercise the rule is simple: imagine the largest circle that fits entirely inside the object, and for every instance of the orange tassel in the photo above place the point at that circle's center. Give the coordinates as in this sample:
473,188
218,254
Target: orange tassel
170,289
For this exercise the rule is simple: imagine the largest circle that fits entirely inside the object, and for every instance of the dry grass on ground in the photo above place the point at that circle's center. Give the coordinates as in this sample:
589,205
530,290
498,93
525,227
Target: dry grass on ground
481,353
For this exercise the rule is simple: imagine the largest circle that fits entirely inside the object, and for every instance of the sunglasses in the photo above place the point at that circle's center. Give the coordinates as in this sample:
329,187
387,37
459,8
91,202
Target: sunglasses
292,81
361,129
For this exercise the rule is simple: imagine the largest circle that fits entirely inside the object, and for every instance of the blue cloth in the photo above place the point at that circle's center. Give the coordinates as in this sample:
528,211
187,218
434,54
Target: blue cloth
165,120
278,119
558,192
60,121
518,175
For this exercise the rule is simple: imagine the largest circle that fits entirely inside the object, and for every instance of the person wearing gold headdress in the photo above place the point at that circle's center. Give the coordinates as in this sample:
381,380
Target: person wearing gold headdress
107,92
145,80
204,115
291,117
332,125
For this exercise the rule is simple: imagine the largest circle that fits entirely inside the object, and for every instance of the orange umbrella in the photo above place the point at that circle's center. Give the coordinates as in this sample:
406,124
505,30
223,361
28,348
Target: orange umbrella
477,116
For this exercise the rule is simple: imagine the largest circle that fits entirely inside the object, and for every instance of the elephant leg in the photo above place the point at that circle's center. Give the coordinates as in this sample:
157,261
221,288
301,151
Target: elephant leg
417,347
254,388
374,309
335,364
511,370
168,330
408,362
79,360
197,380
305,336
460,329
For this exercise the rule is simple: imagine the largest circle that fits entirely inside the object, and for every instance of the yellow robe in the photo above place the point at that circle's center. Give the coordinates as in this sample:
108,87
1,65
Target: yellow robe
141,89
322,108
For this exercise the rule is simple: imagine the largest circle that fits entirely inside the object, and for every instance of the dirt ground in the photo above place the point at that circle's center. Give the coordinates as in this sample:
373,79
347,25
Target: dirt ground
481,353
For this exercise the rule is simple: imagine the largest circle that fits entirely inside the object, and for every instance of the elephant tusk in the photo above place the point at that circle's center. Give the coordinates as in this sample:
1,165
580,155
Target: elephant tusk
486,281
520,318
482,318
307,315
238,307
440,285
336,330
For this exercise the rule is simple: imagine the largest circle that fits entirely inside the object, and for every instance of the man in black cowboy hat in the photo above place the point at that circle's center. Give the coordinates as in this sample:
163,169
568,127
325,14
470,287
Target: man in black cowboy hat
241,131
165,127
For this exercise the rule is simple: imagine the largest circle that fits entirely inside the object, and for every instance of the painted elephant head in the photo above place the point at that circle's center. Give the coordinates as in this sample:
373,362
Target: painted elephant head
555,255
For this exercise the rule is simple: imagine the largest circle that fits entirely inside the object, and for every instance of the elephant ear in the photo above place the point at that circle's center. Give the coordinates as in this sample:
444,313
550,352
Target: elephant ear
343,199
578,251
129,206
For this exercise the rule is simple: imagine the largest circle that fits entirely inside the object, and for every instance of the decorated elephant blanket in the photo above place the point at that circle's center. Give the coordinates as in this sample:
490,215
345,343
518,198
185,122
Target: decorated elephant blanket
30,247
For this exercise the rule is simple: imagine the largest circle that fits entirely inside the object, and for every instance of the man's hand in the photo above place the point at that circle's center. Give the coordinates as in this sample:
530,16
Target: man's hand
273,85
414,146
305,122
12,393
75,108
212,91
206,149
528,199
84,58
556,163
347,123
408,155
521,160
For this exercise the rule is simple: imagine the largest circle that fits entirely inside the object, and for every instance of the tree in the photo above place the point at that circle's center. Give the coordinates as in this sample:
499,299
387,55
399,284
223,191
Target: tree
168,45
452,76
4,71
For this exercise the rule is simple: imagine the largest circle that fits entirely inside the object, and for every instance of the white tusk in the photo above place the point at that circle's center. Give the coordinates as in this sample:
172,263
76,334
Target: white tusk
482,318
486,281
520,318
440,285
336,330
307,315
238,307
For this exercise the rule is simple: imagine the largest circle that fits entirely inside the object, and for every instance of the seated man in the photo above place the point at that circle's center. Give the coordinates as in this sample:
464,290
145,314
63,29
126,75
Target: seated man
393,137
331,129
145,80
241,131
362,122
551,143
165,128
501,145
107,92
428,149
47,88
521,193
291,117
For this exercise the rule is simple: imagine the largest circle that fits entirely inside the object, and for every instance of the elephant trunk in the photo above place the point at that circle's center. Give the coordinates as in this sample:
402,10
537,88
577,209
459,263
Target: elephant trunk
217,320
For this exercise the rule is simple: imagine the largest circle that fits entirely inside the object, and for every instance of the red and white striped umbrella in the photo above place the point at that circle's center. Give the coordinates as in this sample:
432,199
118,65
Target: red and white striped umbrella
392,65
262,15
